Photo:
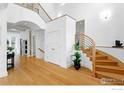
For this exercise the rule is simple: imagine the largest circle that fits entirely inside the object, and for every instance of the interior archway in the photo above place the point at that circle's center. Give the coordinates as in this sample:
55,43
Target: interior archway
26,38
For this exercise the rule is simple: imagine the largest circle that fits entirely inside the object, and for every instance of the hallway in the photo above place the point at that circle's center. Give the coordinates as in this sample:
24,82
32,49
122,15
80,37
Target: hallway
32,71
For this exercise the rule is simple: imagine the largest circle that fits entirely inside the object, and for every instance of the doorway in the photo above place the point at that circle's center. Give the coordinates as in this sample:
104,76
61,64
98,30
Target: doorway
80,28
23,47
34,46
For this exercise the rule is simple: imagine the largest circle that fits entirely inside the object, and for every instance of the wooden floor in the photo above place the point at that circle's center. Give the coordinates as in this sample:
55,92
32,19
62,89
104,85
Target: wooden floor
32,71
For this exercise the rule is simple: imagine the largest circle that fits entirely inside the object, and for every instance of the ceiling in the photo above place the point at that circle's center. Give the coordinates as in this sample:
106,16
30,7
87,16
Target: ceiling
23,26
3,5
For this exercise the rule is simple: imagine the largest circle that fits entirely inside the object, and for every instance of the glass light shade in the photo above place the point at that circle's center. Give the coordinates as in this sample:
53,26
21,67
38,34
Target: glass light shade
105,15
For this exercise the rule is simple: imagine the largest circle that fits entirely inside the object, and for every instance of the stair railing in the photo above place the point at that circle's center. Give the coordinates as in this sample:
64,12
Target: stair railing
36,7
41,50
87,45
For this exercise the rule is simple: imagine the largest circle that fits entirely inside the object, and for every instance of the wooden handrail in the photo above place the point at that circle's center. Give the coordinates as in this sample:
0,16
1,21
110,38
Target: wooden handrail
84,41
41,50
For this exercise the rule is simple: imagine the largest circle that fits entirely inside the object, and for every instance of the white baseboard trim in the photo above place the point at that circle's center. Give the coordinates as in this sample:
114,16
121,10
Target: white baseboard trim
3,74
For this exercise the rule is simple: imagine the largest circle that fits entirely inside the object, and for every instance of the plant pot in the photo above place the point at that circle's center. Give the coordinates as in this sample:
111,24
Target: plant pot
77,66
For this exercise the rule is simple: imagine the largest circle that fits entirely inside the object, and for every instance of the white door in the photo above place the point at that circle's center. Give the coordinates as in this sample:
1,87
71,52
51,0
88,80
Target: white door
53,48
53,54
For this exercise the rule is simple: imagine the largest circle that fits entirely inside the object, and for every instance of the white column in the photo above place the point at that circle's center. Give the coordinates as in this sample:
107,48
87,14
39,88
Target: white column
3,42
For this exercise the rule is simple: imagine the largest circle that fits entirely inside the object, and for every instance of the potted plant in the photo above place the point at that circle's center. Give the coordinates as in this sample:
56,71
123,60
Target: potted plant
10,49
77,56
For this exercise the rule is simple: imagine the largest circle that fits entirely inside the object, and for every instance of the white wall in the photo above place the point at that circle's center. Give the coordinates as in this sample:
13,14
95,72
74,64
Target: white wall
17,13
104,32
70,38
55,38
3,44
85,61
40,40
59,40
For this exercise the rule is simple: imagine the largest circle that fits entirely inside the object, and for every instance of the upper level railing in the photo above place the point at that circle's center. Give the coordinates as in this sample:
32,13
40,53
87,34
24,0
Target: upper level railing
36,7
87,45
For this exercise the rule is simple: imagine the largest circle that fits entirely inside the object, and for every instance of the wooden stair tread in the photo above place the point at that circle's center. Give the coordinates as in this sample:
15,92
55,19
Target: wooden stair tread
107,66
110,67
111,75
107,60
98,56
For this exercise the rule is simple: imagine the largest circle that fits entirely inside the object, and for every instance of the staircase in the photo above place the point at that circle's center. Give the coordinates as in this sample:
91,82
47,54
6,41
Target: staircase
105,66
87,46
108,67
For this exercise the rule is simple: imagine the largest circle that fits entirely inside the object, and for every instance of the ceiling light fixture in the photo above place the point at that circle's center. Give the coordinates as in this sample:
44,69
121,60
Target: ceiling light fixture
105,15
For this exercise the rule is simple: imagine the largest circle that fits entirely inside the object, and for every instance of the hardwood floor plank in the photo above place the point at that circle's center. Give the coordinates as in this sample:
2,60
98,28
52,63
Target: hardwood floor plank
32,71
